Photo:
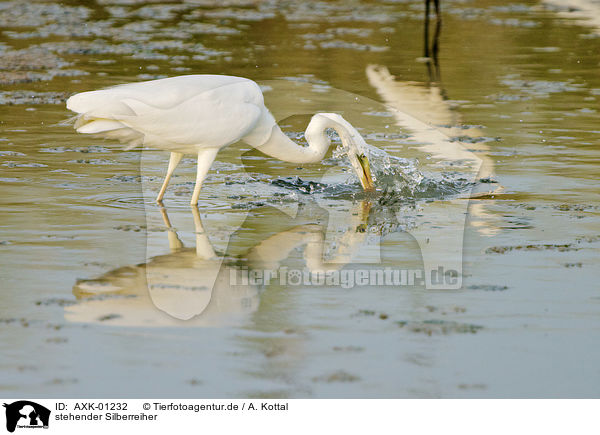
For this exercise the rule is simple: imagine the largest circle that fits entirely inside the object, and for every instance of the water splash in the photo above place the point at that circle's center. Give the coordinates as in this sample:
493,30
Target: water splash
390,173
395,173
297,183
397,180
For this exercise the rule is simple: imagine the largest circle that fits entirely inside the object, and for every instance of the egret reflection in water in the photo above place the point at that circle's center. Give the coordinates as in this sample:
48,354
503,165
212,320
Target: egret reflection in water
206,288
586,12
426,111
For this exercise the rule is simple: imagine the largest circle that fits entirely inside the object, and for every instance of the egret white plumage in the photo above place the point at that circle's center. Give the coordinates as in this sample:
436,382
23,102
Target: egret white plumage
200,114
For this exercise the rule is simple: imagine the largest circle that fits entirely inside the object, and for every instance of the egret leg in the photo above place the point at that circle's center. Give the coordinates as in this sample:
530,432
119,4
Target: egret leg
204,249
206,157
173,162
436,36
426,30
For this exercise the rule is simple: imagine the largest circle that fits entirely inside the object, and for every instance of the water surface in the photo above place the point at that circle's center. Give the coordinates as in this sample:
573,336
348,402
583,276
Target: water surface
90,265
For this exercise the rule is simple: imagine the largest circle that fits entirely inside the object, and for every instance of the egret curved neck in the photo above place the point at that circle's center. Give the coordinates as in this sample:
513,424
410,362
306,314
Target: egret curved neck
283,148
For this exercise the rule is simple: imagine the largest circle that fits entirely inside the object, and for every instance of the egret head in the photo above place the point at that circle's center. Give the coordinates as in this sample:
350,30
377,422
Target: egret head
355,146
360,163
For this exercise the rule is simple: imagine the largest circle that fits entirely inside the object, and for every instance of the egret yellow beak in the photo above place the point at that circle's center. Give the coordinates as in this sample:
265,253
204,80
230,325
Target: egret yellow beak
366,179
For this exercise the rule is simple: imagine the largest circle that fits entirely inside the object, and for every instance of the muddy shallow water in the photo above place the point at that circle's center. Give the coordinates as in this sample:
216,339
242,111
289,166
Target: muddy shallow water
104,293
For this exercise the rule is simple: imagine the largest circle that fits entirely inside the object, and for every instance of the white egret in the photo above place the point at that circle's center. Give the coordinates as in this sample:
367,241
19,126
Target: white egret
200,114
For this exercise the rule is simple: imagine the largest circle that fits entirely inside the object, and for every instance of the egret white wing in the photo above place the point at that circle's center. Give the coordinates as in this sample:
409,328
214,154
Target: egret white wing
179,114
163,93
